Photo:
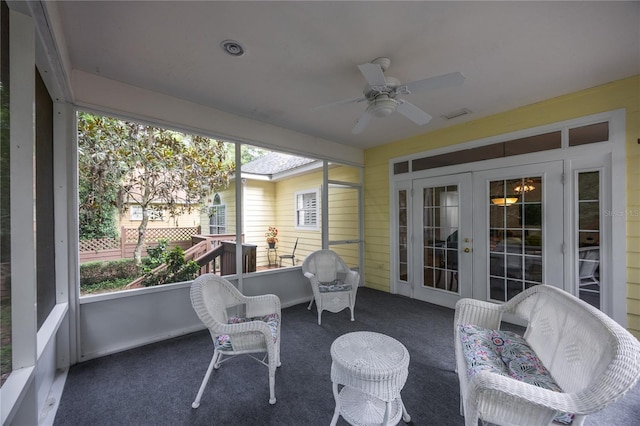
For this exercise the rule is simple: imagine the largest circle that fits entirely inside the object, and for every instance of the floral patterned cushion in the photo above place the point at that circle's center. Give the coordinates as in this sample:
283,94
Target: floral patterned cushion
333,286
223,341
508,354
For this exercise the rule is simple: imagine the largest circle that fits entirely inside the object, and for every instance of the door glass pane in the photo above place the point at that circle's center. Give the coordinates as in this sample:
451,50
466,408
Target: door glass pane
515,236
440,222
402,235
588,259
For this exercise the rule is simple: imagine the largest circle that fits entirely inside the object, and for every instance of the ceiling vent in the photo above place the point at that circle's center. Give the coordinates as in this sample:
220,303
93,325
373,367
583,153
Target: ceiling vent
458,113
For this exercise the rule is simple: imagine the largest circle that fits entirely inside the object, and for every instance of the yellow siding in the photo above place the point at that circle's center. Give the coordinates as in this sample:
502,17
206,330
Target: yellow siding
619,94
309,241
259,213
272,204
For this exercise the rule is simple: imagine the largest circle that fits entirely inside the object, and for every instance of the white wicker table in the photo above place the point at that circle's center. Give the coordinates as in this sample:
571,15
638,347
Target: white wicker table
372,368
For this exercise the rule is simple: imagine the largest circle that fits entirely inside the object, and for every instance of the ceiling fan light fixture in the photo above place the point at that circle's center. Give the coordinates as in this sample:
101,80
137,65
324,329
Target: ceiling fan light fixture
382,106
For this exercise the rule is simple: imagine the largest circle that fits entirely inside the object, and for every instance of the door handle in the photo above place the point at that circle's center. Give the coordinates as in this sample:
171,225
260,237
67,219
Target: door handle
467,250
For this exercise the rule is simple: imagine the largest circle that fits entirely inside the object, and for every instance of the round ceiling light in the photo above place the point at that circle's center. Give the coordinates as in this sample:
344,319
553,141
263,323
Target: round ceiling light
232,47
382,106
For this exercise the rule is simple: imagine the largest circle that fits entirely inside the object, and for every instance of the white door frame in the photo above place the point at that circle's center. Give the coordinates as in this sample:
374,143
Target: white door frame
553,256
465,235
609,156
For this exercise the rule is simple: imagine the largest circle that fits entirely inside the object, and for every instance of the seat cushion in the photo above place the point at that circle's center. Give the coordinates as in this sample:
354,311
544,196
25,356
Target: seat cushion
333,286
508,354
223,341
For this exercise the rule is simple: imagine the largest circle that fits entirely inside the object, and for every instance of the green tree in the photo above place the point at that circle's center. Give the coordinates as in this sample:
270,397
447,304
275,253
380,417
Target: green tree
248,153
99,174
153,168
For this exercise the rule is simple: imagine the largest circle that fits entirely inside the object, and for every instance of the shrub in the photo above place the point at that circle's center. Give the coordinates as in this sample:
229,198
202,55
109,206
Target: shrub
156,256
177,269
98,272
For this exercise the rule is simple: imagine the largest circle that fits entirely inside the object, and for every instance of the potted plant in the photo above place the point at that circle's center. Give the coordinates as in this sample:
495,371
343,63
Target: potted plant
271,235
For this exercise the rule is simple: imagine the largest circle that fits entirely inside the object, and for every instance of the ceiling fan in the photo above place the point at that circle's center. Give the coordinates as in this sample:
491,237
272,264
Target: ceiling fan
382,94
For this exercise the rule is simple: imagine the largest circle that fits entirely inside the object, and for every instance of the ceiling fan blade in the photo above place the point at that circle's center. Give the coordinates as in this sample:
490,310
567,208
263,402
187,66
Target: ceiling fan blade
431,83
373,74
413,113
363,121
338,103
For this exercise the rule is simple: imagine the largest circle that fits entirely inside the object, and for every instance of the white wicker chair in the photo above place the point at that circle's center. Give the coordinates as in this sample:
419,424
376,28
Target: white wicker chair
334,285
591,357
211,297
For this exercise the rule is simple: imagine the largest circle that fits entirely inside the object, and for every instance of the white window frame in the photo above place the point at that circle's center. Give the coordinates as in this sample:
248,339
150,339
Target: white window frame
155,214
219,207
311,226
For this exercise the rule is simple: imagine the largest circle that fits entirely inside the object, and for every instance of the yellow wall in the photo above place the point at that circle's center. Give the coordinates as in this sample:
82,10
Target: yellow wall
272,204
309,240
619,94
259,213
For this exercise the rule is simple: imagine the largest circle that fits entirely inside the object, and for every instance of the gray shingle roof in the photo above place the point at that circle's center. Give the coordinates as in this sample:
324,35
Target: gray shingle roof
275,162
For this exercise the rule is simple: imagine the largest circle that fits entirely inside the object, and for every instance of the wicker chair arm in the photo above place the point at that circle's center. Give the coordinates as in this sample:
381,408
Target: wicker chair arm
262,305
477,312
352,277
314,284
493,390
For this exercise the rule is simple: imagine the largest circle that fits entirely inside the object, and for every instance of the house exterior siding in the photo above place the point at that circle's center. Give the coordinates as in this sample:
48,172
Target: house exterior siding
273,204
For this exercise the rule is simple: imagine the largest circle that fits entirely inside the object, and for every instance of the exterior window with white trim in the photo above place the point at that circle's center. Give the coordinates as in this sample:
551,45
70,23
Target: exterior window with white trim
307,209
155,214
217,216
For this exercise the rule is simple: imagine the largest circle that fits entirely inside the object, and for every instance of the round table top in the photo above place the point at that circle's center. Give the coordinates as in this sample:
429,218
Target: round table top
372,362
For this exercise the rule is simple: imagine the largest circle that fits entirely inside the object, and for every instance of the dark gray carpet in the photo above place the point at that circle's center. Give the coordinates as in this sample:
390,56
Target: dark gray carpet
155,384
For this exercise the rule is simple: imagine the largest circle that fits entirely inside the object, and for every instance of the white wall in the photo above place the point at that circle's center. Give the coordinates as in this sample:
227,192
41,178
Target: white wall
114,322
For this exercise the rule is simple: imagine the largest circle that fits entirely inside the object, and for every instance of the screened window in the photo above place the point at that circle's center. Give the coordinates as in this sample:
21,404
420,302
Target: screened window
307,209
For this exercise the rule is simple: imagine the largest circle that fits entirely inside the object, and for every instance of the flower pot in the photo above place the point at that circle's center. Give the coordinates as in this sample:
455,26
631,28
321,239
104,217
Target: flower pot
272,245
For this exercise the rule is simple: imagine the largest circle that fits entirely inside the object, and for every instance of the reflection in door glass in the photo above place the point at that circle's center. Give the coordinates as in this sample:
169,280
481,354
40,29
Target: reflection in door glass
515,236
440,236
589,237
402,235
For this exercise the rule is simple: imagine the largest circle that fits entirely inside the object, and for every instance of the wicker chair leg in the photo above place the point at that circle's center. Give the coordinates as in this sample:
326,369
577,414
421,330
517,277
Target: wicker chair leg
272,386
311,303
203,385
319,316
352,317
405,416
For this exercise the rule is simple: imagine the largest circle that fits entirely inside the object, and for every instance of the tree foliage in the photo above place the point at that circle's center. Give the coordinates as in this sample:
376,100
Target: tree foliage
100,174
125,163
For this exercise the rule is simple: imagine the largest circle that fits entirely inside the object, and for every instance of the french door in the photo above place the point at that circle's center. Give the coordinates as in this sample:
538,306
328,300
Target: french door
486,234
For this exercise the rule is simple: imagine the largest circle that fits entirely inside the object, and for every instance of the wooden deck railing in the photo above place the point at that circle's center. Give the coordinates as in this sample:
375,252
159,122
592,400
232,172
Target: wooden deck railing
211,252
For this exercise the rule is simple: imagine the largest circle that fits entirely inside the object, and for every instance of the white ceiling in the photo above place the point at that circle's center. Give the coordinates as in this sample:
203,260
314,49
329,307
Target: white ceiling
303,54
